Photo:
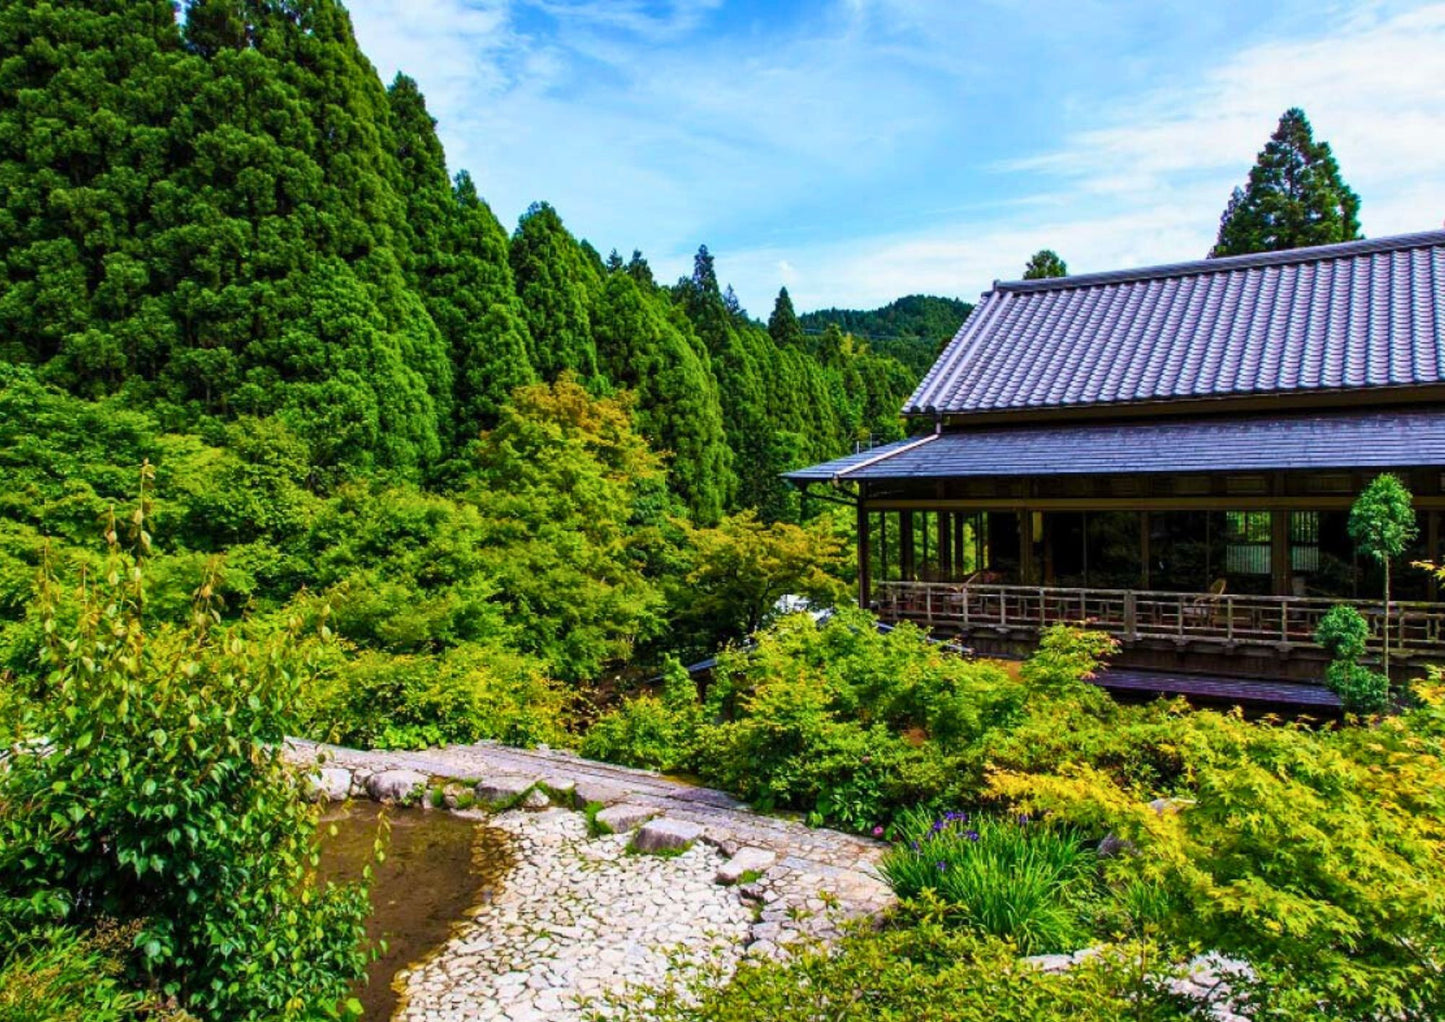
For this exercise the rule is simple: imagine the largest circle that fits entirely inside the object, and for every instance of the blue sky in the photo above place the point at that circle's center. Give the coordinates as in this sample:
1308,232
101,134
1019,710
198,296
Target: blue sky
860,150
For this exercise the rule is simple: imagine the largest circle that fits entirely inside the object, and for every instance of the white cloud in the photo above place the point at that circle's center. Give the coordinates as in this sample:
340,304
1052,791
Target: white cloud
647,129
1148,186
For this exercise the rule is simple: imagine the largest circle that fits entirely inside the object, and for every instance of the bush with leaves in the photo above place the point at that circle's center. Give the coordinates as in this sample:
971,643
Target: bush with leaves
648,731
57,975
150,789
1343,632
1313,855
922,971
846,722
476,691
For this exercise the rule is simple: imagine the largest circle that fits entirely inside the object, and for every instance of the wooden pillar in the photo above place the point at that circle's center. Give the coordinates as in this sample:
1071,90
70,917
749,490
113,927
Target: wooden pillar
945,546
905,546
865,554
1026,547
1279,552
1432,551
1144,549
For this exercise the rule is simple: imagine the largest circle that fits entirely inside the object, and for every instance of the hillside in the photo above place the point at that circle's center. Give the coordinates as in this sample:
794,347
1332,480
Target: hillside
912,330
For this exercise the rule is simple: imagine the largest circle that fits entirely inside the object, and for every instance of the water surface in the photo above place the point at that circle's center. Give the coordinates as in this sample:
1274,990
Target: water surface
437,866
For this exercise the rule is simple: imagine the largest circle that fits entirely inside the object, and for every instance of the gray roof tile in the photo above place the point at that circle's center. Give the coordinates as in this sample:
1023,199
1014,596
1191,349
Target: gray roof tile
1372,439
1361,314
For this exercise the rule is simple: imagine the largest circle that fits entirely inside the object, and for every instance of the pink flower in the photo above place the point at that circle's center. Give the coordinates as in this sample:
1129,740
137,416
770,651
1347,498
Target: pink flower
877,831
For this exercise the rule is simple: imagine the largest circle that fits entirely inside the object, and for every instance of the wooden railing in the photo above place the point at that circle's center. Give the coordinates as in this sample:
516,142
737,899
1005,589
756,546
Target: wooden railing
1281,621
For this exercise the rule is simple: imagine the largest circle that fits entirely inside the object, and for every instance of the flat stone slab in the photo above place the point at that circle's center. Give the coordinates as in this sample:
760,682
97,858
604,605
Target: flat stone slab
750,859
666,835
395,785
504,789
599,792
619,819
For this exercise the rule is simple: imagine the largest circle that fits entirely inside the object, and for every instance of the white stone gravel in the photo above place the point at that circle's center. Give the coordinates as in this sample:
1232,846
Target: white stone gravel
576,918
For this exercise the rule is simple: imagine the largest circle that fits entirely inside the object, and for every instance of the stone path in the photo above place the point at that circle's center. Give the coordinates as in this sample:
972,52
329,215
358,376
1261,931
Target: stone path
583,916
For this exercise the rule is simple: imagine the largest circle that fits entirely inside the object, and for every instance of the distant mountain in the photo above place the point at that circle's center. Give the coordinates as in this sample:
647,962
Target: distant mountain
913,330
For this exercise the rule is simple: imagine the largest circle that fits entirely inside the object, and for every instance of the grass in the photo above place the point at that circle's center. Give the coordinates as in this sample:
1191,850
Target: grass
1023,880
595,827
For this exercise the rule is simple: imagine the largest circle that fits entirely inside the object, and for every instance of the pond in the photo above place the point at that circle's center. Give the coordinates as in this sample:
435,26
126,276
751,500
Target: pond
438,866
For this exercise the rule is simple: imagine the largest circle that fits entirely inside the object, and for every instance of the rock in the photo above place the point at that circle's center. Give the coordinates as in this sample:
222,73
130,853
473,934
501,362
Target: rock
504,790
535,799
1161,806
666,835
329,784
746,860
455,796
599,793
1111,845
1052,963
395,785
622,818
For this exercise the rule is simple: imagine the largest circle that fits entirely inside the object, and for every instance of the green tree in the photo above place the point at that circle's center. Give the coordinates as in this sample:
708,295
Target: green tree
1294,197
739,571
1045,263
557,284
1382,524
459,262
783,325
640,348
574,510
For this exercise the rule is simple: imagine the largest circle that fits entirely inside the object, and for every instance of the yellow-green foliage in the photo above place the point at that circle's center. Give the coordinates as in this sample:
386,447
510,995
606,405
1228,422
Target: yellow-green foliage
1314,854
466,694
916,973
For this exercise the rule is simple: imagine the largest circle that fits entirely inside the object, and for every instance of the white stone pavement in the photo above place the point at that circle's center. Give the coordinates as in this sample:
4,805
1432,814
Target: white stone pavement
582,916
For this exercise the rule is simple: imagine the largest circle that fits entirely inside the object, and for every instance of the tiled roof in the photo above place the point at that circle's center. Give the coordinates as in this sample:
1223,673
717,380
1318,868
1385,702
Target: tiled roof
1337,317
1373,439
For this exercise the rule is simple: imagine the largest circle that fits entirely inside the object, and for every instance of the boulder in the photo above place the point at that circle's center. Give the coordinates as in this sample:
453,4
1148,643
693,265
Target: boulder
620,819
666,835
535,799
329,784
748,859
504,790
396,785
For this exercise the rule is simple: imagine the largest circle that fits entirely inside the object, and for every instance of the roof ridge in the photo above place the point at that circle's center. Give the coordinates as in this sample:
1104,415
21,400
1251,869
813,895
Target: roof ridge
1286,257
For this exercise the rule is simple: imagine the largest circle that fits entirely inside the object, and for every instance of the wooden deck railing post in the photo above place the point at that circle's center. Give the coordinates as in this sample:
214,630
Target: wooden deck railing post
1283,621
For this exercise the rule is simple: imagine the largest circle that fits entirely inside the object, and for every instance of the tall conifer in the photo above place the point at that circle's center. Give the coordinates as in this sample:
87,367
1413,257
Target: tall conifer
1295,196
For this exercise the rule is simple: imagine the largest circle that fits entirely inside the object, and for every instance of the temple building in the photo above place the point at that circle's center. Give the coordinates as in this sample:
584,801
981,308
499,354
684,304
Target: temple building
1170,454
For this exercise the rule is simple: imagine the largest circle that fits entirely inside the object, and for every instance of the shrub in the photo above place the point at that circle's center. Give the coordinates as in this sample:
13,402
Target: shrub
1014,878
924,971
158,797
1314,855
647,731
56,975
1344,633
467,694
1360,689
